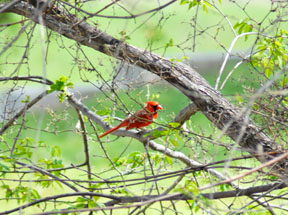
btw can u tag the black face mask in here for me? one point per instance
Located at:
(155, 108)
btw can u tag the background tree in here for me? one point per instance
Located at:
(219, 138)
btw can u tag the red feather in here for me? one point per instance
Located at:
(140, 119)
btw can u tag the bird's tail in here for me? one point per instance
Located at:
(122, 124)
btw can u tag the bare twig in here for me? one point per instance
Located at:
(22, 111)
(121, 17)
(18, 133)
(23, 28)
(85, 141)
(33, 78)
(8, 6)
(269, 163)
(228, 54)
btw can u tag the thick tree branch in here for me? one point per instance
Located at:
(186, 113)
(217, 195)
(151, 198)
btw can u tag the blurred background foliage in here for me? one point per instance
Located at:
(171, 33)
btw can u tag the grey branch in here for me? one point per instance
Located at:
(186, 113)
(35, 78)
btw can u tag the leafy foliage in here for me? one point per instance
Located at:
(272, 54)
(61, 85)
(244, 26)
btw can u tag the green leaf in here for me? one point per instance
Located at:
(81, 200)
(170, 43)
(239, 98)
(240, 30)
(35, 194)
(63, 79)
(195, 206)
(174, 142)
(61, 85)
(280, 61)
(268, 72)
(205, 8)
(157, 133)
(192, 187)
(284, 82)
(190, 5)
(92, 204)
(168, 160)
(62, 96)
(147, 135)
(182, 2)
(243, 26)
(104, 112)
(124, 35)
(225, 187)
(4, 167)
(56, 151)
(174, 124)
(26, 100)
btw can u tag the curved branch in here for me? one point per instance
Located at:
(35, 78)
(186, 113)
(132, 16)
(44, 172)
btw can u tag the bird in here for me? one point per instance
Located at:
(141, 118)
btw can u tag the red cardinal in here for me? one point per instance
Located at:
(140, 119)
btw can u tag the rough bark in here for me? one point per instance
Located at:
(210, 101)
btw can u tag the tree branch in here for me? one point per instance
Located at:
(149, 198)
(33, 78)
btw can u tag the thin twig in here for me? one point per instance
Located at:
(9, 5)
(22, 111)
(269, 163)
(33, 78)
(228, 54)
(85, 141)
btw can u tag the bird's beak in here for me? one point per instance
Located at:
(159, 107)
